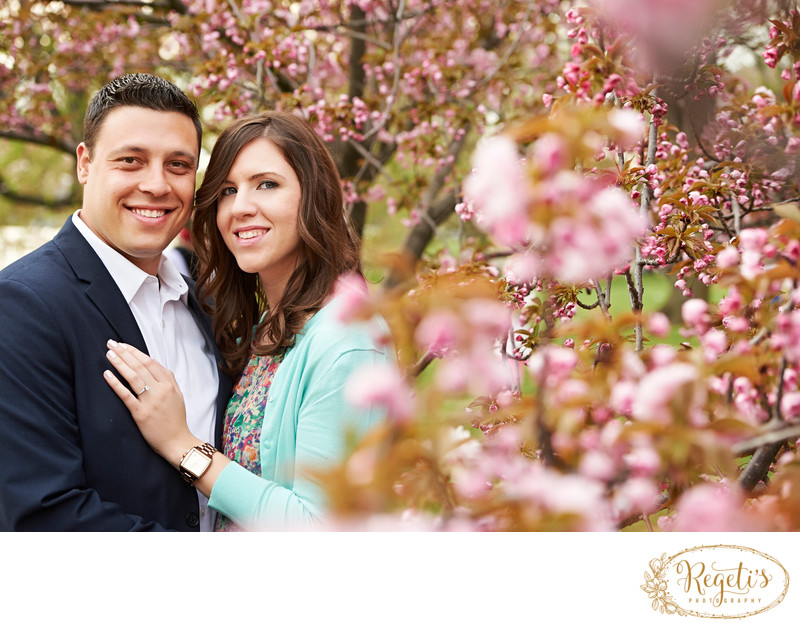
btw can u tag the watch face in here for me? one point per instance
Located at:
(195, 462)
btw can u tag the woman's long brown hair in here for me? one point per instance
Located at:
(328, 246)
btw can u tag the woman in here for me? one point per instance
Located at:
(272, 238)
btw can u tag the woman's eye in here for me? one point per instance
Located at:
(228, 190)
(267, 183)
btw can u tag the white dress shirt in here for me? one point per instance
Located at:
(160, 307)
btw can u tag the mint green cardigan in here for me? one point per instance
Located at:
(305, 425)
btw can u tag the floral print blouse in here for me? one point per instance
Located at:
(241, 432)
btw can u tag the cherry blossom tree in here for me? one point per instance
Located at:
(586, 417)
(534, 151)
(399, 89)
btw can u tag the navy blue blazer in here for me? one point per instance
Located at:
(71, 456)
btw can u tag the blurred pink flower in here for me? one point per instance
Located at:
(655, 391)
(710, 508)
(790, 406)
(787, 335)
(695, 315)
(636, 496)
(642, 460)
(728, 257)
(661, 355)
(480, 371)
(714, 343)
(562, 494)
(550, 153)
(736, 323)
(499, 190)
(351, 289)
(470, 482)
(439, 332)
(731, 303)
(488, 318)
(382, 386)
(658, 324)
(629, 125)
(753, 239)
(663, 30)
(597, 238)
(570, 227)
(360, 467)
(598, 465)
(623, 394)
(752, 264)
(554, 363)
(453, 375)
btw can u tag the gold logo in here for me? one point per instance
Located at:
(717, 581)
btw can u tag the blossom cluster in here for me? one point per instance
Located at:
(558, 223)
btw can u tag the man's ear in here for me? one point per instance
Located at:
(83, 163)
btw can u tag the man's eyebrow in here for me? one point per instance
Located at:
(129, 148)
(132, 148)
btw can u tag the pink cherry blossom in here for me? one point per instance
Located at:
(352, 295)
(550, 153)
(657, 389)
(695, 314)
(636, 496)
(623, 395)
(629, 125)
(439, 333)
(642, 460)
(714, 343)
(658, 324)
(598, 465)
(728, 257)
(553, 364)
(710, 508)
(499, 191)
(382, 386)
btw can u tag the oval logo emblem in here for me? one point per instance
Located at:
(717, 581)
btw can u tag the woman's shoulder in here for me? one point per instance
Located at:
(329, 329)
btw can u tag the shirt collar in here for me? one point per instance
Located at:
(129, 277)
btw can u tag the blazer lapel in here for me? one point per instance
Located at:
(100, 286)
(106, 296)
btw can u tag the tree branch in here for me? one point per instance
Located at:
(34, 136)
(172, 5)
(419, 367)
(635, 284)
(758, 466)
(35, 200)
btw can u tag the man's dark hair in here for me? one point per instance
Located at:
(137, 90)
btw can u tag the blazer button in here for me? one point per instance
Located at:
(192, 520)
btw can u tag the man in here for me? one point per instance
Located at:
(71, 457)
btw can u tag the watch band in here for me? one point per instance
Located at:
(188, 476)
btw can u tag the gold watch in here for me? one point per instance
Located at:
(195, 462)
